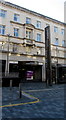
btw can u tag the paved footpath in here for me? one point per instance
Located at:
(38, 101)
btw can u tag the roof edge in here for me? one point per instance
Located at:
(30, 11)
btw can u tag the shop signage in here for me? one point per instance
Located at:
(13, 62)
(29, 75)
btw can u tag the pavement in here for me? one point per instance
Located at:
(38, 101)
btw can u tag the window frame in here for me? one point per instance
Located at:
(55, 29)
(16, 17)
(16, 32)
(3, 13)
(28, 20)
(62, 31)
(2, 29)
(38, 24)
(56, 42)
(28, 34)
(63, 42)
(38, 39)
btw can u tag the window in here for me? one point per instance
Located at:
(16, 17)
(56, 41)
(62, 31)
(14, 48)
(38, 24)
(63, 42)
(16, 32)
(2, 29)
(38, 37)
(2, 13)
(28, 20)
(47, 25)
(28, 34)
(55, 29)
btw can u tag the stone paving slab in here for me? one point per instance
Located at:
(50, 105)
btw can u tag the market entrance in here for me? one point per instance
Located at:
(30, 71)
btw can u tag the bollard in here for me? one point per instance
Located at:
(10, 84)
(20, 95)
(11, 91)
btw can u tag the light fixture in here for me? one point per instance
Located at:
(29, 56)
(9, 54)
(34, 57)
(18, 54)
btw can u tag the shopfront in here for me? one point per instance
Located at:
(30, 71)
(62, 73)
(59, 73)
(22, 71)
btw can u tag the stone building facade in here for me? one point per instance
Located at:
(22, 42)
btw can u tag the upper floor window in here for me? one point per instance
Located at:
(56, 41)
(16, 32)
(55, 29)
(28, 20)
(2, 29)
(38, 37)
(2, 13)
(62, 31)
(15, 47)
(63, 42)
(38, 24)
(16, 17)
(47, 24)
(28, 34)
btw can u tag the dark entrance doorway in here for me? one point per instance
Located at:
(62, 74)
(28, 71)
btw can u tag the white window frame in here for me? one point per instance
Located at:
(2, 29)
(62, 31)
(55, 29)
(16, 32)
(56, 42)
(28, 20)
(38, 25)
(3, 13)
(28, 34)
(38, 39)
(15, 47)
(63, 42)
(16, 17)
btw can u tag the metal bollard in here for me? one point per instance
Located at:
(11, 92)
(10, 84)
(20, 95)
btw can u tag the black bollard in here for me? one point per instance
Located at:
(20, 93)
(10, 84)
(11, 92)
